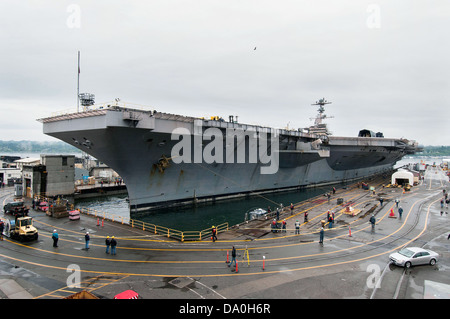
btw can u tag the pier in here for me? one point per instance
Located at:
(99, 189)
(272, 263)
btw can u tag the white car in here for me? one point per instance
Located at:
(412, 256)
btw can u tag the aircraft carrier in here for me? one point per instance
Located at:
(168, 159)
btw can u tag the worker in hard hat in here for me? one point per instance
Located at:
(107, 243)
(297, 227)
(214, 234)
(87, 238)
(113, 245)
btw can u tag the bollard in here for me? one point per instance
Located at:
(349, 232)
(103, 222)
(98, 221)
(264, 261)
(237, 266)
(228, 257)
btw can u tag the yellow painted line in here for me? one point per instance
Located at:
(253, 261)
(181, 262)
(245, 274)
(122, 238)
(109, 259)
(145, 239)
(208, 249)
(270, 272)
(197, 249)
(68, 291)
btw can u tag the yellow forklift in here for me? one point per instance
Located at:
(20, 228)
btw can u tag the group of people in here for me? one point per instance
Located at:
(109, 242)
(275, 225)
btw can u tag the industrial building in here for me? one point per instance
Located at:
(9, 172)
(53, 175)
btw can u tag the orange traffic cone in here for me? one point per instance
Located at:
(98, 221)
(391, 214)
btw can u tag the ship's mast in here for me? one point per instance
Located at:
(321, 109)
(318, 127)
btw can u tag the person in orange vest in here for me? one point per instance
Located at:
(214, 234)
(284, 225)
(330, 221)
(274, 226)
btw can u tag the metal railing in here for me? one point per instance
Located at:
(190, 235)
(103, 106)
(182, 236)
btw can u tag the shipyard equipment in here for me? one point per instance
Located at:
(21, 228)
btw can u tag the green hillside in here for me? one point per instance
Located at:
(36, 147)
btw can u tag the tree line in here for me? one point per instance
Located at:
(36, 147)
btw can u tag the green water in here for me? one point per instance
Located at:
(202, 216)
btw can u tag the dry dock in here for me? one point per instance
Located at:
(352, 262)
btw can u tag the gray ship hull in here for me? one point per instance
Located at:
(137, 145)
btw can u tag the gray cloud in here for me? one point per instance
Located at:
(197, 58)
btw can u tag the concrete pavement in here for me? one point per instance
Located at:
(296, 266)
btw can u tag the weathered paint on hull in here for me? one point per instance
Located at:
(133, 143)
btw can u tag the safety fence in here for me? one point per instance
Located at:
(182, 236)
(41, 202)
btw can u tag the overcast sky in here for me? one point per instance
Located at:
(385, 65)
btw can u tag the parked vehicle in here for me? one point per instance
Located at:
(16, 208)
(413, 256)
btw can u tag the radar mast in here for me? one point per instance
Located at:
(321, 109)
(319, 127)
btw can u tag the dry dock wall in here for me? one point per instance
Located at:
(60, 174)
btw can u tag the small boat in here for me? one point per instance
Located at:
(255, 214)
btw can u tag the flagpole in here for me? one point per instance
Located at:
(78, 83)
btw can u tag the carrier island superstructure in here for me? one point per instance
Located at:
(168, 159)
